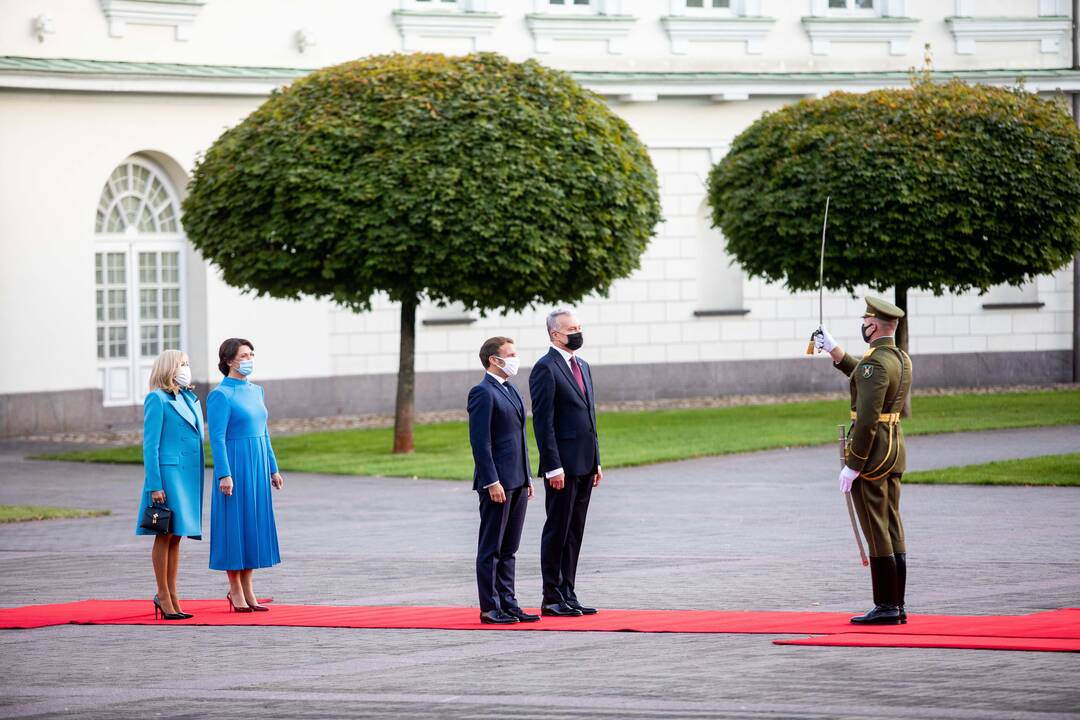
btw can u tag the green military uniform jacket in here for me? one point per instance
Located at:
(880, 382)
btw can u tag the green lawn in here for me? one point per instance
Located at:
(638, 438)
(22, 513)
(1044, 470)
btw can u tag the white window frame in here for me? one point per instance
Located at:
(131, 243)
(682, 8)
(851, 11)
(569, 7)
(445, 6)
(595, 7)
(882, 9)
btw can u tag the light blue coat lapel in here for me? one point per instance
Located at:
(182, 408)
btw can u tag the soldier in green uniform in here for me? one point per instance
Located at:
(875, 458)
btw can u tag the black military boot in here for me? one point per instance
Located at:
(883, 577)
(901, 584)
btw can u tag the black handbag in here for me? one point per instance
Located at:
(157, 518)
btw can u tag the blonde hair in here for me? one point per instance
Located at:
(163, 374)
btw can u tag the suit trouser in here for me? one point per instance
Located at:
(877, 503)
(497, 543)
(560, 543)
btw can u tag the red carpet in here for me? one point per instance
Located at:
(967, 642)
(1058, 630)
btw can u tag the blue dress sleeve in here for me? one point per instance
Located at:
(153, 417)
(269, 445)
(218, 407)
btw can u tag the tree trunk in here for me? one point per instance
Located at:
(902, 337)
(405, 408)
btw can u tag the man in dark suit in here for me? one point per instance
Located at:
(501, 454)
(564, 421)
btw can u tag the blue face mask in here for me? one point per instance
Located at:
(246, 367)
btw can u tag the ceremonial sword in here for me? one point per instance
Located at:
(848, 500)
(810, 351)
(821, 279)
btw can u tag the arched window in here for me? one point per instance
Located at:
(138, 278)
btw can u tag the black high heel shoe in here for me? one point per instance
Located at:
(234, 608)
(158, 610)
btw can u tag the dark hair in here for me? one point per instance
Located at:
(227, 352)
(491, 347)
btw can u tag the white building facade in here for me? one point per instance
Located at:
(106, 104)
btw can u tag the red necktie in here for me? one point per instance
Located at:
(577, 374)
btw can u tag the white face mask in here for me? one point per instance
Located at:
(183, 376)
(510, 365)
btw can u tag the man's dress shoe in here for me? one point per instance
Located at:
(560, 610)
(581, 608)
(497, 617)
(880, 615)
(521, 615)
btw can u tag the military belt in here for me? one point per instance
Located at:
(884, 417)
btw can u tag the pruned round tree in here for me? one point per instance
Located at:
(467, 179)
(940, 187)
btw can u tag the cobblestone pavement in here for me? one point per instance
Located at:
(757, 531)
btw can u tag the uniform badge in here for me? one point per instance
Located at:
(867, 371)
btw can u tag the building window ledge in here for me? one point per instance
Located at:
(733, 312)
(824, 31)
(416, 24)
(1013, 306)
(178, 14)
(448, 321)
(1049, 30)
(685, 29)
(547, 28)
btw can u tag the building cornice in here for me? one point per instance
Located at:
(824, 31)
(685, 29)
(105, 76)
(1049, 30)
(414, 25)
(177, 14)
(547, 28)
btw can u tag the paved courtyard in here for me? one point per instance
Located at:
(764, 531)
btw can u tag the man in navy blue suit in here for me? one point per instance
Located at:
(564, 421)
(501, 454)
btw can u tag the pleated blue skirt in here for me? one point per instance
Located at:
(243, 535)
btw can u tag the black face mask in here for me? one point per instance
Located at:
(574, 341)
(867, 331)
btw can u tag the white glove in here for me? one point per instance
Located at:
(823, 340)
(847, 476)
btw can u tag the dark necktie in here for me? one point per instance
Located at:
(509, 390)
(577, 374)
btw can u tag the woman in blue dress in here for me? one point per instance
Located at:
(173, 464)
(243, 535)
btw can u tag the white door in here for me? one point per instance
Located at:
(139, 279)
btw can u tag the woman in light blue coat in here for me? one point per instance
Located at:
(174, 463)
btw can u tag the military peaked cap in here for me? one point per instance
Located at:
(876, 307)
